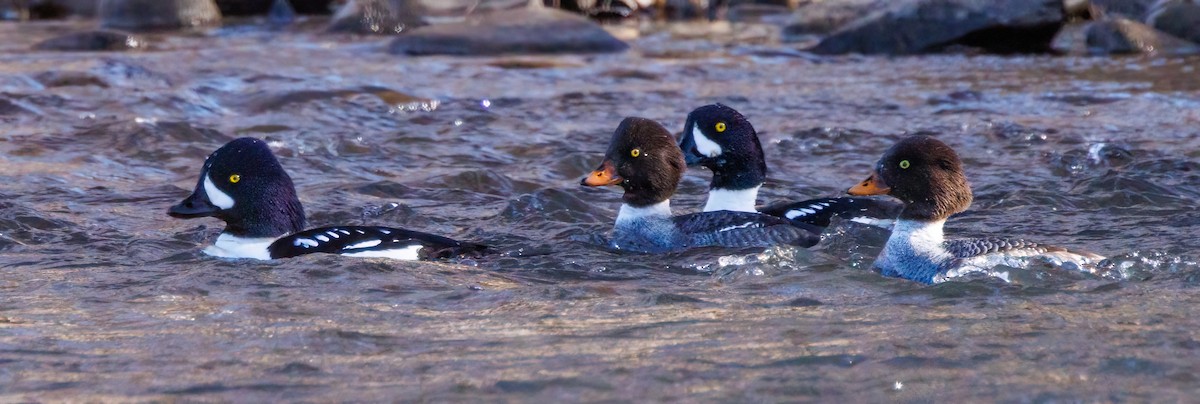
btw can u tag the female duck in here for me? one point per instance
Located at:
(926, 175)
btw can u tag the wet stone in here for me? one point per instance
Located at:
(520, 31)
(1180, 18)
(1117, 35)
(261, 7)
(146, 15)
(923, 26)
(823, 17)
(97, 40)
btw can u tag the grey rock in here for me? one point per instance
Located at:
(45, 9)
(1180, 18)
(921, 26)
(519, 31)
(756, 13)
(378, 17)
(1119, 35)
(1132, 9)
(98, 40)
(261, 7)
(823, 17)
(144, 15)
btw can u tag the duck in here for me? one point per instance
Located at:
(721, 139)
(244, 185)
(927, 176)
(646, 163)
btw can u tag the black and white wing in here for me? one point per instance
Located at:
(372, 241)
(967, 248)
(819, 212)
(744, 229)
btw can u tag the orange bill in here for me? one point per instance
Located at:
(873, 185)
(605, 175)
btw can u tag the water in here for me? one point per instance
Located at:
(106, 298)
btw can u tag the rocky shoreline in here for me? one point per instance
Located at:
(487, 27)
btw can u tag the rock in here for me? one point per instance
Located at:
(243, 7)
(1132, 9)
(823, 17)
(756, 13)
(97, 40)
(67, 78)
(921, 26)
(1177, 17)
(524, 31)
(378, 17)
(144, 15)
(1118, 35)
(262, 7)
(44, 9)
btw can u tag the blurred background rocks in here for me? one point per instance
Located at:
(889, 27)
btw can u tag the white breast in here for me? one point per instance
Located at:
(741, 200)
(230, 246)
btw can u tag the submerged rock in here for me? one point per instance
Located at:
(1118, 35)
(921, 26)
(378, 17)
(97, 40)
(142, 15)
(1180, 18)
(526, 30)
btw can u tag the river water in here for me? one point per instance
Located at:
(104, 297)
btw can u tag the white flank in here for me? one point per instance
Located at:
(884, 223)
(408, 253)
(630, 213)
(218, 198)
(740, 226)
(741, 200)
(363, 244)
(704, 145)
(230, 246)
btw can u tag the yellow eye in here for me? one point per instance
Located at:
(635, 152)
(720, 127)
(904, 164)
(235, 178)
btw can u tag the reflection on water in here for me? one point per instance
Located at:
(105, 297)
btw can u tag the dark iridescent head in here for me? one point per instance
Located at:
(925, 174)
(243, 184)
(643, 159)
(722, 140)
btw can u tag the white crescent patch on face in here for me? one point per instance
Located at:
(704, 145)
(218, 198)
